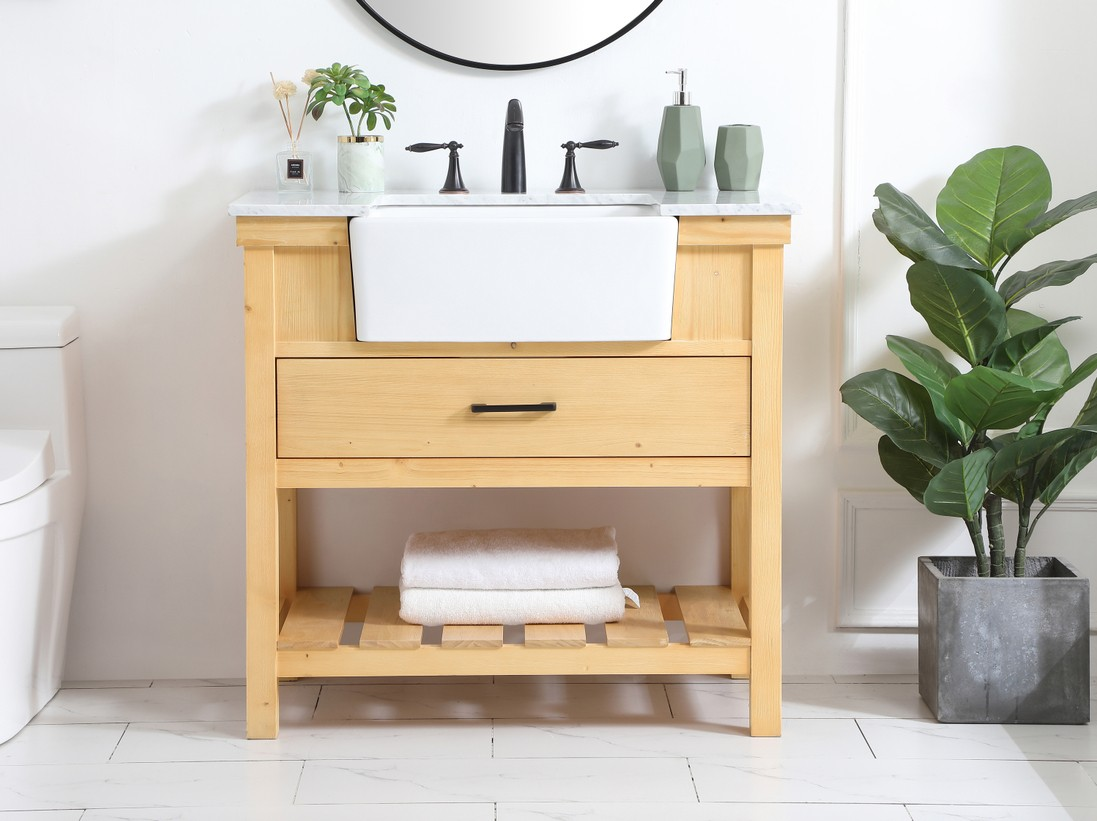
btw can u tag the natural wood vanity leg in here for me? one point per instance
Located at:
(261, 495)
(765, 494)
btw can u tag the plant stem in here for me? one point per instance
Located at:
(975, 530)
(282, 108)
(1024, 533)
(350, 122)
(993, 507)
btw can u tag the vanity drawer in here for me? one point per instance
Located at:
(665, 406)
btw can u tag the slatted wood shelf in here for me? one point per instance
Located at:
(318, 638)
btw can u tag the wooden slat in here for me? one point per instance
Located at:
(464, 636)
(555, 635)
(640, 627)
(613, 471)
(516, 660)
(668, 603)
(712, 617)
(327, 349)
(735, 230)
(316, 618)
(299, 231)
(383, 626)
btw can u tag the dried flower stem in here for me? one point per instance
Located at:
(282, 108)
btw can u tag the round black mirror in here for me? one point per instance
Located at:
(507, 35)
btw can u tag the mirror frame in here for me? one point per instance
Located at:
(365, 4)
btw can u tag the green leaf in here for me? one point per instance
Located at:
(371, 121)
(929, 366)
(912, 232)
(1059, 272)
(902, 409)
(961, 308)
(990, 200)
(960, 487)
(318, 110)
(908, 470)
(1063, 211)
(1064, 464)
(1048, 361)
(1016, 460)
(1088, 414)
(996, 400)
(1012, 350)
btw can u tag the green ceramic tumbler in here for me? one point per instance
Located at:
(738, 159)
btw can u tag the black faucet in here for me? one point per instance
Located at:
(514, 151)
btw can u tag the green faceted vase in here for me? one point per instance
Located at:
(681, 150)
(738, 159)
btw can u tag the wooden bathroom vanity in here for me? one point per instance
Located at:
(702, 409)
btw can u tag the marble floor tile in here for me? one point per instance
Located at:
(554, 700)
(701, 812)
(877, 678)
(100, 684)
(226, 741)
(730, 700)
(801, 738)
(925, 738)
(999, 813)
(356, 812)
(72, 786)
(911, 781)
(114, 704)
(472, 780)
(62, 744)
(199, 682)
(43, 815)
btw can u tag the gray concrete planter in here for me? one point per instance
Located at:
(1003, 651)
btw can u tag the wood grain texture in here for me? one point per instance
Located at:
(315, 295)
(640, 627)
(316, 619)
(472, 636)
(695, 406)
(711, 615)
(303, 232)
(383, 627)
(657, 471)
(712, 293)
(555, 635)
(760, 230)
(261, 503)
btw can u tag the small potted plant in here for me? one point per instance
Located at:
(1000, 640)
(361, 158)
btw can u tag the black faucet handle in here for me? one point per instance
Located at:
(570, 182)
(453, 184)
(422, 148)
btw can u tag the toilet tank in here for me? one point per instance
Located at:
(40, 378)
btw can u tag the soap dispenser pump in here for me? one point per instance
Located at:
(681, 150)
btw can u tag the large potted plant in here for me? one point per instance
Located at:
(1000, 639)
(361, 158)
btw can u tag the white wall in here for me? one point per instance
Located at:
(127, 128)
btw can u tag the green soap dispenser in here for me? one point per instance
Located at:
(681, 151)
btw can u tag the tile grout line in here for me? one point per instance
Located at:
(868, 743)
(692, 780)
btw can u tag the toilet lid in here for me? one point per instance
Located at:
(26, 461)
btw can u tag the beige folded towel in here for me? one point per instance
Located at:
(511, 559)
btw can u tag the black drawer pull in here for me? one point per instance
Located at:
(539, 407)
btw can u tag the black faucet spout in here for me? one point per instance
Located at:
(514, 151)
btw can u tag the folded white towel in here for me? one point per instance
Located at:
(511, 559)
(435, 606)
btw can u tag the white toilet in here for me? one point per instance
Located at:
(42, 482)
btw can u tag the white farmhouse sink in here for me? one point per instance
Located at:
(513, 273)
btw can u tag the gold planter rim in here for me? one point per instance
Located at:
(367, 138)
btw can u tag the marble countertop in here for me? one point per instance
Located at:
(669, 203)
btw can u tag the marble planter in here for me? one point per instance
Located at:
(1003, 651)
(361, 164)
(738, 161)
